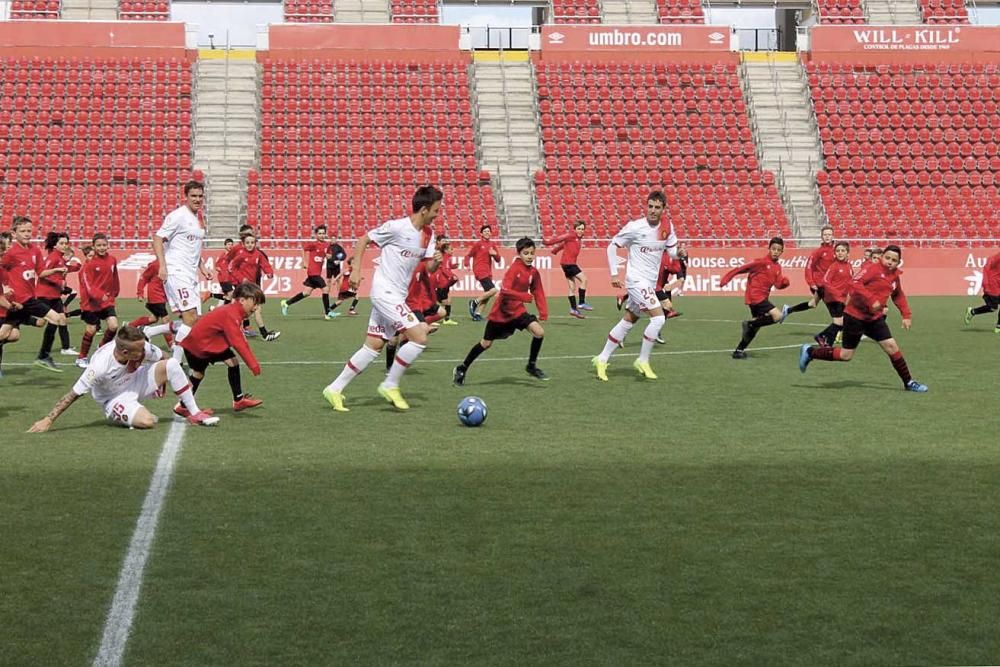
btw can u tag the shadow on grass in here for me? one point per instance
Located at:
(849, 384)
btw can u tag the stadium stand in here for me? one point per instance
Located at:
(35, 9)
(414, 11)
(944, 11)
(94, 143)
(308, 11)
(910, 149)
(345, 143)
(576, 11)
(680, 11)
(840, 12)
(611, 131)
(135, 10)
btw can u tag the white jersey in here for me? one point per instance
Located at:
(183, 235)
(645, 250)
(403, 247)
(106, 378)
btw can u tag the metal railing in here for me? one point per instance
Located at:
(487, 37)
(759, 39)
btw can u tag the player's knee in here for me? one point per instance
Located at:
(846, 355)
(657, 320)
(485, 344)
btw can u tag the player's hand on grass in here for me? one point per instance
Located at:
(41, 426)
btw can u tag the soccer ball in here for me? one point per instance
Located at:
(472, 411)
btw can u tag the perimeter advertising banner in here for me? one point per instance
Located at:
(652, 38)
(936, 271)
(894, 39)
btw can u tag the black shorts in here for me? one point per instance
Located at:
(346, 295)
(332, 270)
(819, 291)
(835, 308)
(31, 308)
(94, 317)
(315, 282)
(663, 294)
(227, 287)
(486, 284)
(501, 330)
(877, 330)
(157, 310)
(442, 293)
(991, 300)
(55, 304)
(570, 270)
(199, 364)
(761, 308)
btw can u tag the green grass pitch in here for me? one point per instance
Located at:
(730, 512)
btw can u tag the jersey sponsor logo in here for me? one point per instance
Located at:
(29, 274)
(409, 253)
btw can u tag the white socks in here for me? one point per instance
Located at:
(407, 355)
(158, 329)
(649, 336)
(617, 335)
(181, 385)
(355, 365)
(182, 332)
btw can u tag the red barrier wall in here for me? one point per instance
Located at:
(362, 39)
(91, 39)
(934, 271)
(937, 43)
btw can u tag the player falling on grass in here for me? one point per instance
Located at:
(316, 253)
(764, 273)
(865, 315)
(520, 285)
(248, 264)
(177, 246)
(405, 243)
(121, 376)
(99, 291)
(576, 280)
(646, 240)
(346, 291)
(218, 336)
(49, 290)
(483, 254)
(836, 286)
(819, 261)
(445, 280)
(150, 290)
(991, 292)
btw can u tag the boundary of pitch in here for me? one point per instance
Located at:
(118, 625)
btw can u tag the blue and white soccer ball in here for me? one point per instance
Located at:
(472, 411)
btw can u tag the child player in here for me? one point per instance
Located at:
(819, 261)
(576, 281)
(247, 265)
(51, 282)
(214, 337)
(151, 290)
(345, 291)
(991, 292)
(315, 255)
(522, 284)
(445, 280)
(482, 254)
(764, 273)
(99, 288)
(865, 315)
(836, 286)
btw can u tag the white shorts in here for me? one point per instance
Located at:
(389, 318)
(641, 297)
(121, 409)
(182, 293)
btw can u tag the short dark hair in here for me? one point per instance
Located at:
(825, 227)
(876, 250)
(227, 241)
(776, 240)
(892, 247)
(98, 236)
(87, 249)
(425, 196)
(323, 227)
(52, 238)
(523, 243)
(193, 185)
(244, 228)
(129, 334)
(578, 223)
(247, 290)
(484, 227)
(656, 195)
(20, 220)
(844, 244)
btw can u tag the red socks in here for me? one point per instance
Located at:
(88, 340)
(899, 363)
(825, 353)
(142, 321)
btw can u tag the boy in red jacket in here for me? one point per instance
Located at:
(150, 289)
(522, 284)
(482, 254)
(247, 264)
(99, 288)
(49, 289)
(819, 261)
(764, 273)
(576, 281)
(991, 292)
(865, 315)
(215, 336)
(836, 287)
(445, 279)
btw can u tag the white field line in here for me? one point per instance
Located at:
(119, 621)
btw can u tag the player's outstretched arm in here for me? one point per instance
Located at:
(45, 423)
(359, 254)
